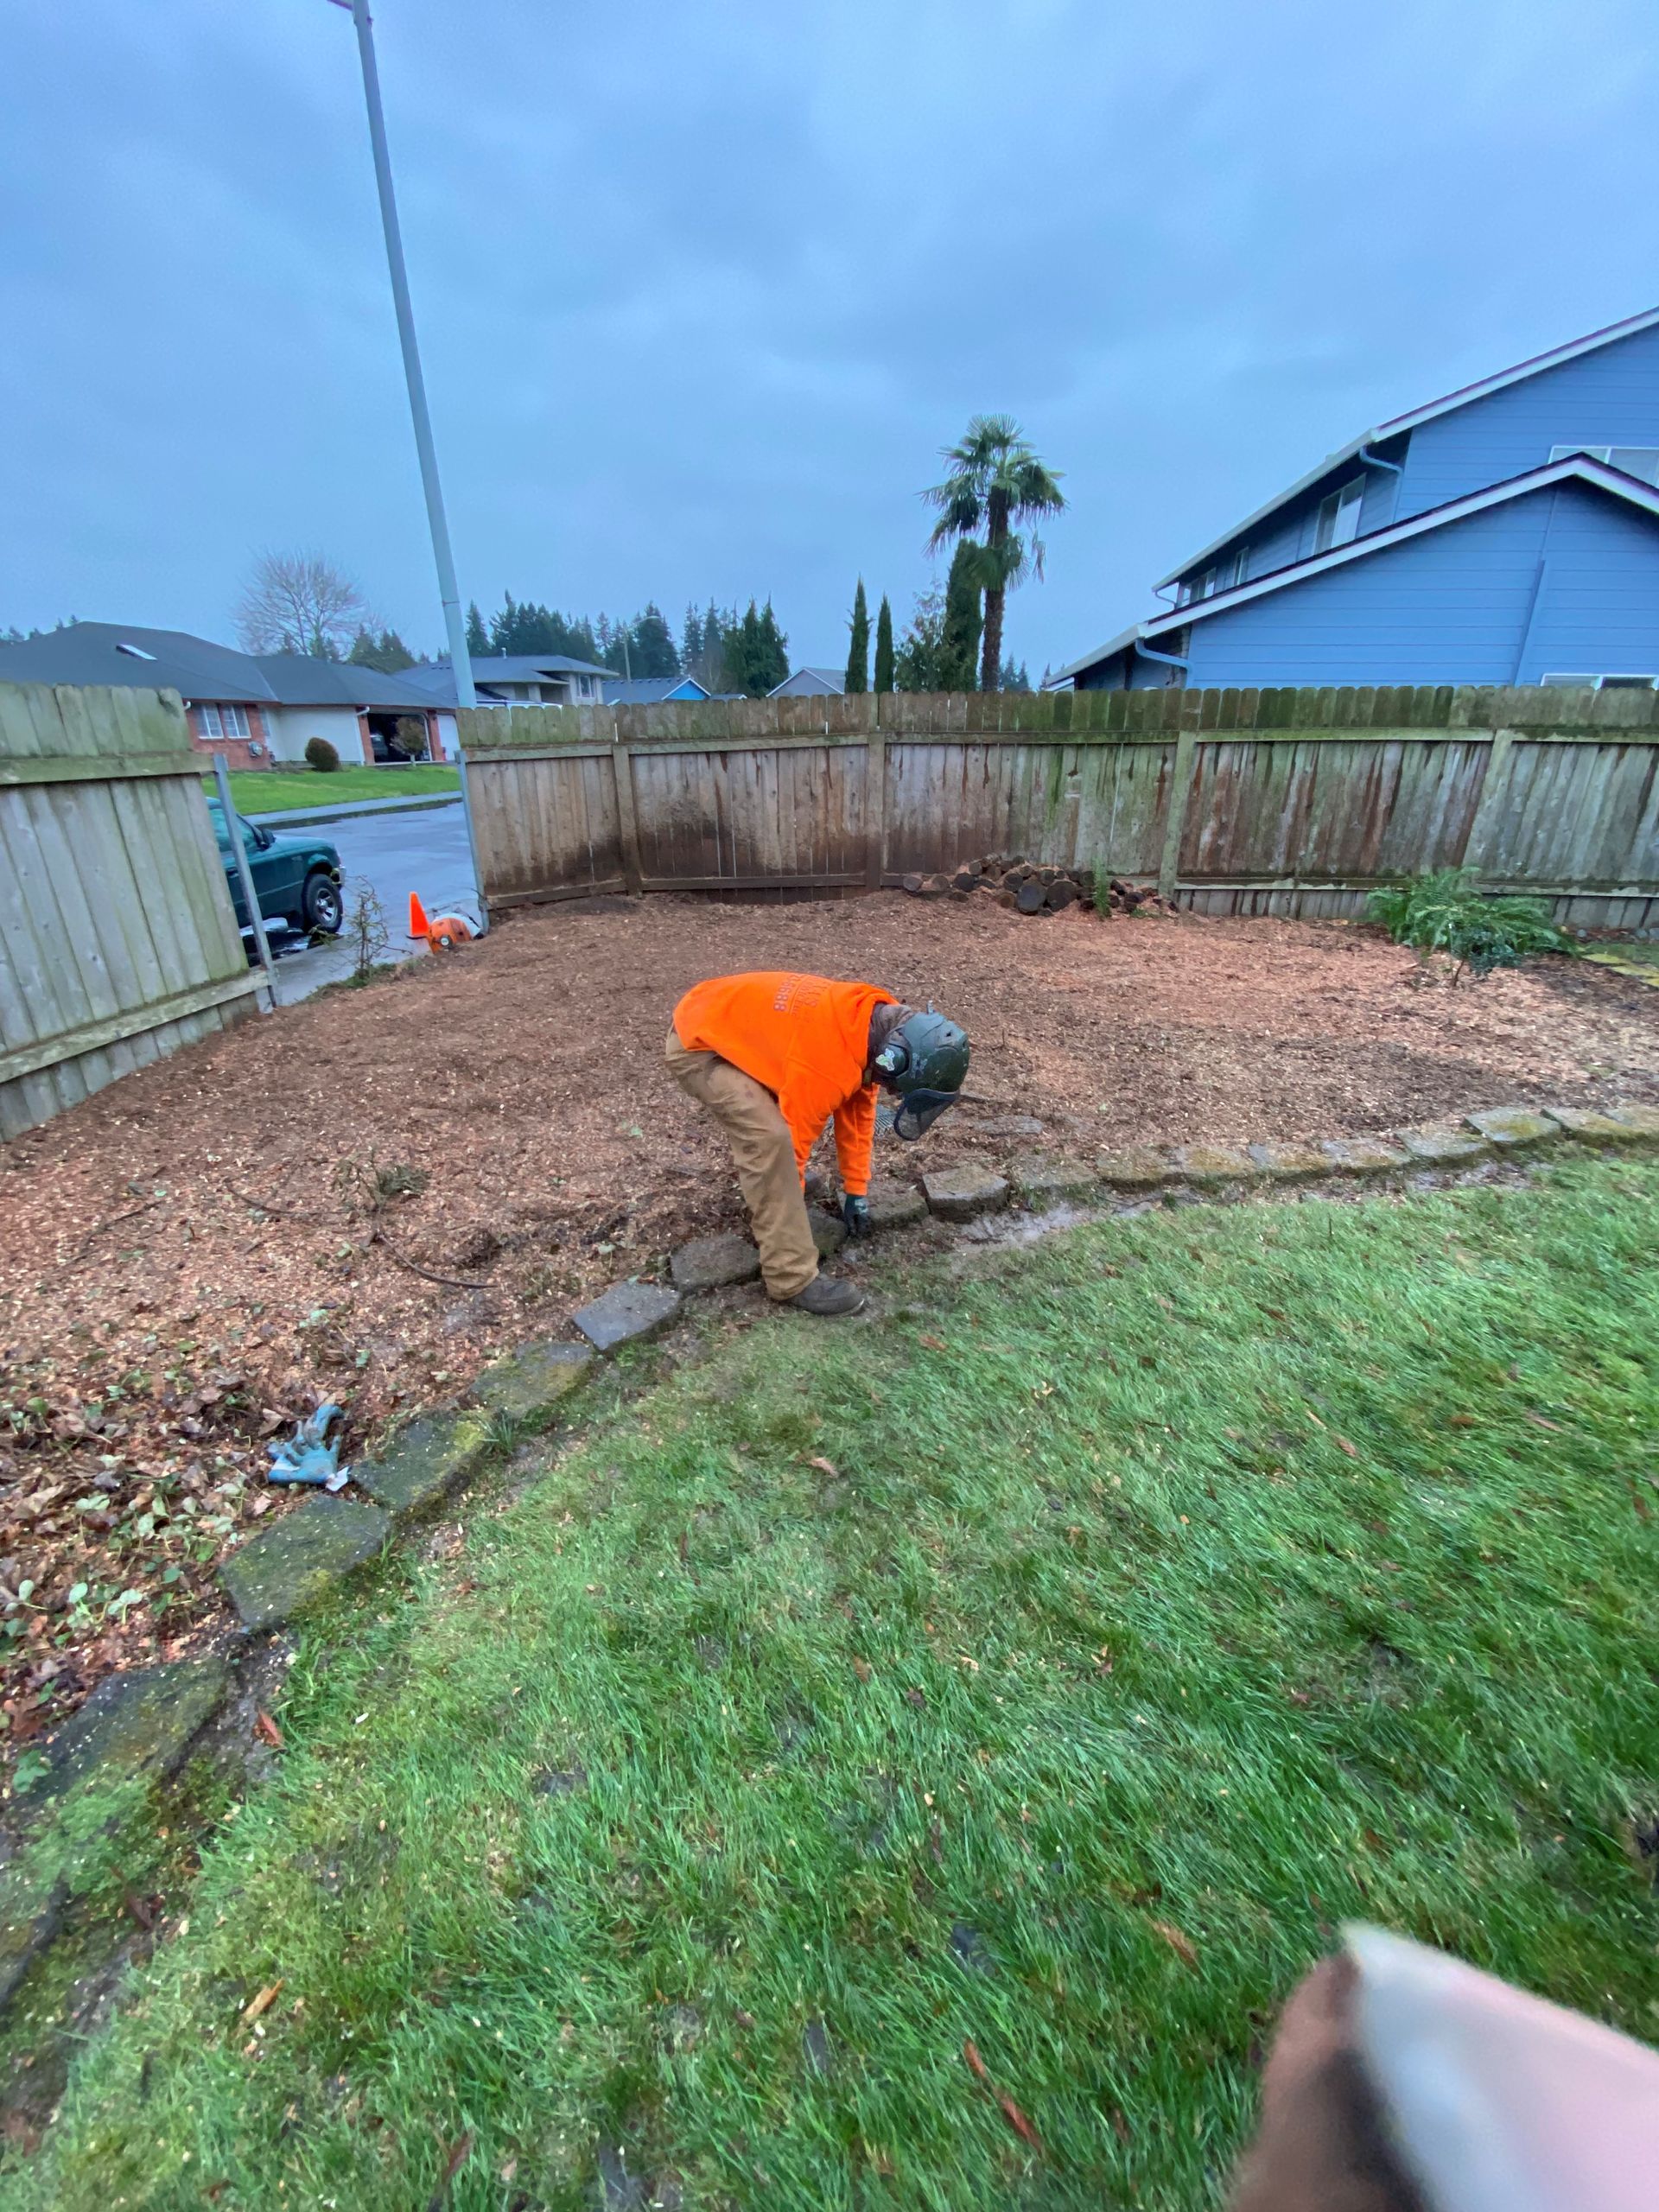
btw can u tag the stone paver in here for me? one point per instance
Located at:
(828, 1230)
(1443, 1144)
(1009, 1125)
(1363, 1155)
(962, 1194)
(1041, 1175)
(1592, 1128)
(301, 1559)
(1137, 1167)
(1288, 1163)
(1640, 1120)
(533, 1381)
(894, 1204)
(135, 1726)
(627, 1313)
(1510, 1127)
(31, 1913)
(1215, 1163)
(423, 1463)
(711, 1262)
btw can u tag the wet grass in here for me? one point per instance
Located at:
(255, 790)
(1049, 1664)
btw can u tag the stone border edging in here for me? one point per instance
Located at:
(143, 1724)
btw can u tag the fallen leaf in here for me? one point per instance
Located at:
(266, 1729)
(261, 2003)
(451, 2165)
(975, 2063)
(1343, 1444)
(932, 1344)
(1182, 1945)
(1017, 2120)
(1309, 1411)
(914, 1697)
(1461, 1421)
(861, 1668)
(744, 2020)
(826, 1467)
(1538, 1422)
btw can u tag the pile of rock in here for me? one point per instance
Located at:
(1029, 888)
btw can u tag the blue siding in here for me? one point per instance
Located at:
(1453, 606)
(1607, 397)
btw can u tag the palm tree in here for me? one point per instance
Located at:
(997, 481)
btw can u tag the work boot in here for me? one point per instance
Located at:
(824, 1295)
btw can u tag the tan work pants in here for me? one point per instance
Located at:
(765, 1153)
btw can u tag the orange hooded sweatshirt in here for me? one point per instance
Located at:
(806, 1040)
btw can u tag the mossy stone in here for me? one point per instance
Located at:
(303, 1559)
(137, 1725)
(533, 1380)
(423, 1463)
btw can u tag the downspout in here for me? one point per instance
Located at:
(1165, 660)
(1532, 619)
(1395, 468)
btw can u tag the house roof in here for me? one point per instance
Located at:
(116, 653)
(648, 690)
(1398, 425)
(301, 680)
(112, 653)
(808, 683)
(1596, 473)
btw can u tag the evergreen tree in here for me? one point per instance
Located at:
(858, 650)
(691, 641)
(477, 638)
(387, 652)
(921, 651)
(963, 620)
(774, 652)
(651, 642)
(1015, 679)
(884, 646)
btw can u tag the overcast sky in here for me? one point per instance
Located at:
(703, 286)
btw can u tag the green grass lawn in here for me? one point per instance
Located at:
(255, 791)
(1051, 1665)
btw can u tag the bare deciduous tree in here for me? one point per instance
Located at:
(299, 603)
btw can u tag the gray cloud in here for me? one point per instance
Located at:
(703, 290)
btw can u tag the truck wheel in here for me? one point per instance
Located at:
(322, 909)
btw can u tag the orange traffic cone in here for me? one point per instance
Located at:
(418, 926)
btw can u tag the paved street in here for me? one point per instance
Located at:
(422, 850)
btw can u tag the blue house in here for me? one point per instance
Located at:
(651, 690)
(1507, 533)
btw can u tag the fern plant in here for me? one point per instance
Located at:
(1446, 910)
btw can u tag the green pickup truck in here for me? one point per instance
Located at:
(295, 878)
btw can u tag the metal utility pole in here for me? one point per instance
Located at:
(455, 625)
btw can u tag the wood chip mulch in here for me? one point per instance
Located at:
(197, 1257)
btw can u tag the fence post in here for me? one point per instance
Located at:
(627, 821)
(233, 831)
(1180, 787)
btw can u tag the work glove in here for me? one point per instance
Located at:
(855, 1213)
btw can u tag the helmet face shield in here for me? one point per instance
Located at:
(918, 1111)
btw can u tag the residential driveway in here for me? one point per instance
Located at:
(424, 850)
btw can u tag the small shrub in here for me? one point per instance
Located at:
(409, 730)
(1446, 912)
(321, 755)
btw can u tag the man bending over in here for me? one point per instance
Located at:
(773, 1056)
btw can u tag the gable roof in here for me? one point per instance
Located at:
(301, 680)
(810, 683)
(1596, 473)
(1398, 425)
(650, 690)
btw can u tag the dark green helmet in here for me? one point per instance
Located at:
(924, 1063)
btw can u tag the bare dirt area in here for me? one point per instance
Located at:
(197, 1257)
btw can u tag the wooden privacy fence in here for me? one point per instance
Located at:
(117, 938)
(1294, 802)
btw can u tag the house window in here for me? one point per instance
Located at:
(1642, 461)
(1338, 517)
(221, 721)
(1183, 593)
(1607, 682)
